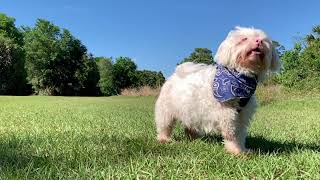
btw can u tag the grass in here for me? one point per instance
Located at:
(111, 138)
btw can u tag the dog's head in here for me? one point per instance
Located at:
(249, 51)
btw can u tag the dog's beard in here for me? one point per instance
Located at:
(251, 60)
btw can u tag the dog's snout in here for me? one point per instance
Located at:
(259, 42)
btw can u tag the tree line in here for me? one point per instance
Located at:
(48, 60)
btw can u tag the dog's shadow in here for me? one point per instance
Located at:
(262, 145)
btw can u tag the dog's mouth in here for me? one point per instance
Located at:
(256, 52)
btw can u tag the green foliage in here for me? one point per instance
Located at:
(90, 77)
(124, 73)
(200, 55)
(12, 73)
(149, 78)
(54, 60)
(302, 64)
(106, 82)
(9, 30)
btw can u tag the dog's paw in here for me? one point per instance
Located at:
(234, 148)
(163, 139)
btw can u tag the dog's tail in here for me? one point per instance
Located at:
(188, 68)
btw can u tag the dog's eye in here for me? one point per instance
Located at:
(244, 39)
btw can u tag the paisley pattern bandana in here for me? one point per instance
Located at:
(229, 84)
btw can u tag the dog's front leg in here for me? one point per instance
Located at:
(234, 142)
(234, 132)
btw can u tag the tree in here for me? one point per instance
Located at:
(90, 77)
(302, 63)
(12, 72)
(71, 65)
(106, 82)
(124, 73)
(200, 55)
(149, 78)
(54, 59)
(9, 30)
(291, 67)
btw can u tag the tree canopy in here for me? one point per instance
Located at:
(149, 78)
(106, 81)
(200, 55)
(124, 73)
(54, 59)
(302, 63)
(12, 70)
(8, 29)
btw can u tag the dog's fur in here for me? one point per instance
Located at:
(187, 95)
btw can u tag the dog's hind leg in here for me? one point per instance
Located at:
(164, 124)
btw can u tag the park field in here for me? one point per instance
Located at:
(114, 137)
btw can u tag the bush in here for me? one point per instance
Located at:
(301, 68)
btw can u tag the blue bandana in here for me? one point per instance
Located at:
(229, 84)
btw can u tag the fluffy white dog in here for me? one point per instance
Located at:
(218, 98)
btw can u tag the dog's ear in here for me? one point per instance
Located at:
(223, 54)
(275, 64)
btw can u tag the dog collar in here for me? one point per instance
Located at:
(229, 84)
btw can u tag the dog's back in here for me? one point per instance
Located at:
(188, 68)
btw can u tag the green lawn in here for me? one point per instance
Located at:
(103, 138)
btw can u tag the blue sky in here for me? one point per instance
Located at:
(157, 34)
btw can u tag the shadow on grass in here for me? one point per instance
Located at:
(262, 145)
(139, 147)
(21, 153)
(107, 150)
(267, 146)
(14, 155)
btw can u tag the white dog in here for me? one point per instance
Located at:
(218, 98)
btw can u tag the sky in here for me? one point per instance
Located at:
(157, 34)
